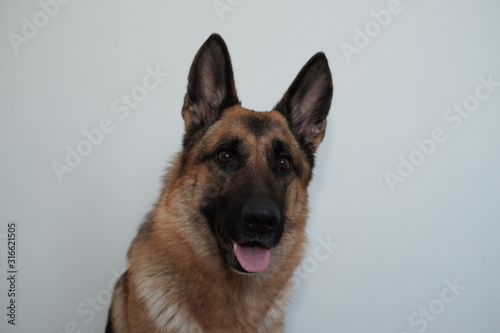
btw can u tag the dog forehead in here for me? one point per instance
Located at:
(254, 123)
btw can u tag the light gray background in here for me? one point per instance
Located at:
(394, 249)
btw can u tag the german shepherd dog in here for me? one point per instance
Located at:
(218, 251)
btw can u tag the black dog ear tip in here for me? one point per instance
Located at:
(215, 42)
(320, 59)
(215, 37)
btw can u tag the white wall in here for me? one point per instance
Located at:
(394, 253)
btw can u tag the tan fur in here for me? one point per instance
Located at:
(176, 280)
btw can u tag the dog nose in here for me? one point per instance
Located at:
(262, 218)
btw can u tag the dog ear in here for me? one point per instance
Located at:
(211, 86)
(307, 102)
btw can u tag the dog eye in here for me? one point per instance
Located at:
(224, 156)
(283, 163)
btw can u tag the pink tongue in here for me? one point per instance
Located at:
(253, 259)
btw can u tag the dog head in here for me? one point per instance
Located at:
(252, 168)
